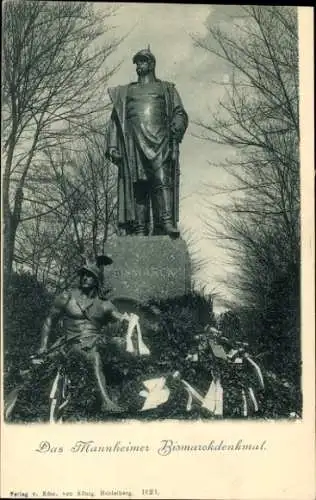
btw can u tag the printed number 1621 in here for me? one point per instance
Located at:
(150, 492)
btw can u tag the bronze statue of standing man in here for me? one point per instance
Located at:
(147, 124)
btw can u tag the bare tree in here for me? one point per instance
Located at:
(54, 75)
(99, 178)
(79, 217)
(258, 119)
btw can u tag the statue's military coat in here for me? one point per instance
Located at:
(116, 137)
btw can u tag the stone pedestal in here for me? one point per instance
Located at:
(148, 267)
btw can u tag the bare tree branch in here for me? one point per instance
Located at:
(54, 76)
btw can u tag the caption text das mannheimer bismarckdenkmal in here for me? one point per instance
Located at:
(164, 447)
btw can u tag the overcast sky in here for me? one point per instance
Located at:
(167, 28)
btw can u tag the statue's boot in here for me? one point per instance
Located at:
(141, 230)
(142, 210)
(162, 211)
(158, 229)
(142, 222)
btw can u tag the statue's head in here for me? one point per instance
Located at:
(91, 273)
(145, 62)
(89, 277)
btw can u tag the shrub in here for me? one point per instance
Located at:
(169, 328)
(26, 303)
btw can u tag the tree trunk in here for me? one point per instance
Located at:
(8, 223)
(9, 233)
(11, 222)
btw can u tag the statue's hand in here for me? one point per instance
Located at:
(114, 155)
(130, 316)
(176, 133)
(125, 317)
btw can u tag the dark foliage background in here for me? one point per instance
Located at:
(169, 328)
(26, 303)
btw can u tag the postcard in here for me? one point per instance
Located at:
(158, 327)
